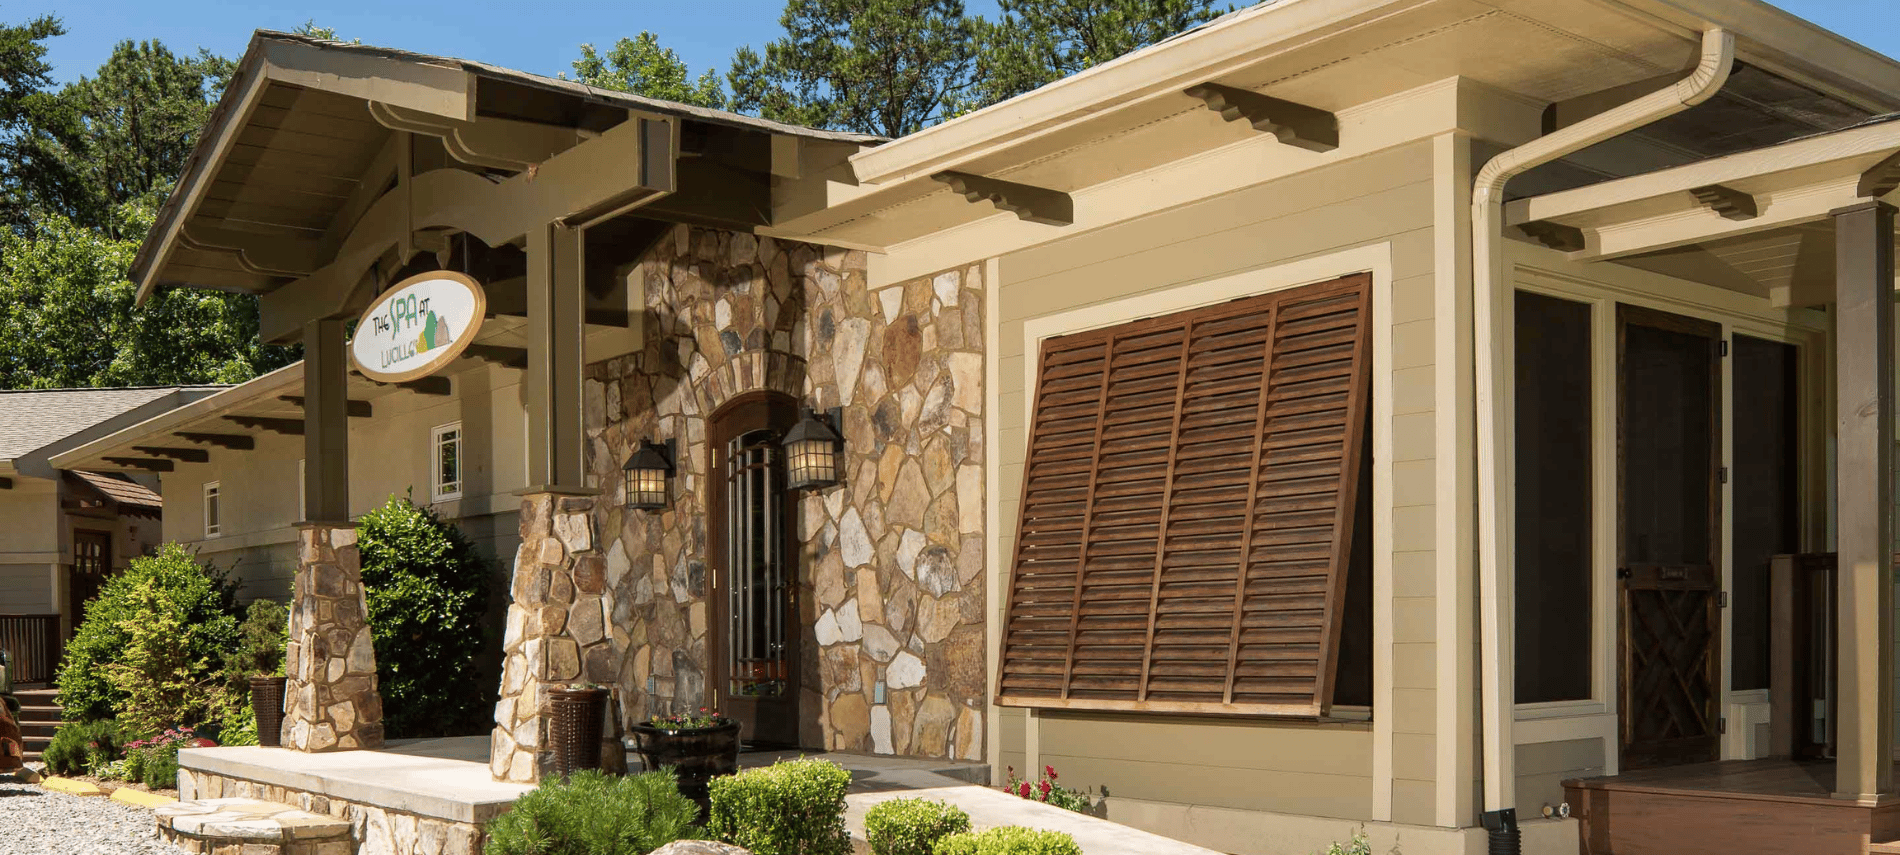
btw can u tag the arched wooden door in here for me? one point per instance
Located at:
(754, 641)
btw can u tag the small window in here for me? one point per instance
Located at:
(214, 518)
(448, 462)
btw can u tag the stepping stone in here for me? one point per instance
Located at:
(251, 827)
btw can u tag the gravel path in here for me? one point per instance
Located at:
(36, 822)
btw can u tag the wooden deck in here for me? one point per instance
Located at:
(1736, 807)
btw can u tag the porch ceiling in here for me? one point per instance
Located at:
(1756, 222)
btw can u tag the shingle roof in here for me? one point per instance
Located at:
(130, 497)
(30, 419)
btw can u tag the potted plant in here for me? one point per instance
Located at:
(699, 745)
(574, 731)
(259, 659)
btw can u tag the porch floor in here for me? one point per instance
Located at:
(1737, 807)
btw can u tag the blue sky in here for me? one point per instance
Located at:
(544, 37)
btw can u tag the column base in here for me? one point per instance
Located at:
(331, 702)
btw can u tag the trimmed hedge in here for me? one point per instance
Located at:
(595, 814)
(1008, 840)
(794, 807)
(426, 590)
(911, 826)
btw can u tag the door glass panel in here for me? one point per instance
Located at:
(1765, 493)
(755, 558)
(1554, 595)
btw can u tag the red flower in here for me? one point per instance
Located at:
(1024, 791)
(1051, 770)
(1045, 791)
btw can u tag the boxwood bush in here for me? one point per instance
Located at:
(911, 826)
(795, 807)
(595, 814)
(1009, 840)
(426, 590)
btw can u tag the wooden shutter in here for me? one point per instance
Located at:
(1189, 496)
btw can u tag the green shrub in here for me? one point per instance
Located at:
(154, 761)
(197, 599)
(82, 747)
(794, 807)
(426, 591)
(1358, 845)
(1009, 840)
(911, 826)
(260, 644)
(595, 814)
(160, 682)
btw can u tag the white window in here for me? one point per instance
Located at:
(214, 518)
(447, 442)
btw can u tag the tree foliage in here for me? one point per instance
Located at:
(1037, 42)
(426, 590)
(642, 66)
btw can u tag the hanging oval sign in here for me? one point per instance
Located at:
(418, 326)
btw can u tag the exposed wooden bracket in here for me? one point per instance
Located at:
(1557, 236)
(144, 463)
(6, 483)
(233, 441)
(1727, 201)
(285, 427)
(1296, 125)
(1884, 178)
(507, 357)
(187, 455)
(434, 384)
(257, 252)
(1035, 204)
(356, 409)
(486, 141)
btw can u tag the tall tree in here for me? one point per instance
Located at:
(25, 75)
(641, 66)
(885, 67)
(1037, 42)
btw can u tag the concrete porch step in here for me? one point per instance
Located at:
(1888, 848)
(253, 827)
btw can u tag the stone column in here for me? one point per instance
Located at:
(558, 633)
(331, 701)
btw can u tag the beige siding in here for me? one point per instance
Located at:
(1294, 767)
(1543, 767)
(26, 589)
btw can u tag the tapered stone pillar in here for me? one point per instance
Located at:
(331, 702)
(559, 633)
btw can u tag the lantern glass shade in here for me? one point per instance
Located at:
(812, 451)
(647, 473)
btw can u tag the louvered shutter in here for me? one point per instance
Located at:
(1188, 505)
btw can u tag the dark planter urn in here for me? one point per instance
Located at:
(267, 701)
(574, 728)
(698, 755)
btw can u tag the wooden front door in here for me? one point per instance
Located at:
(92, 563)
(756, 628)
(1669, 581)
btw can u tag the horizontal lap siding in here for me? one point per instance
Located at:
(26, 589)
(1323, 770)
(1543, 767)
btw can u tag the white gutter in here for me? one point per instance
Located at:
(1492, 331)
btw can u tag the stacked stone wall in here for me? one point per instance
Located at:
(376, 830)
(331, 702)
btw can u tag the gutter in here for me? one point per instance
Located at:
(1492, 330)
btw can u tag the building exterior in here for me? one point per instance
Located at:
(1321, 420)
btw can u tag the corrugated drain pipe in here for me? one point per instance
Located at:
(1492, 328)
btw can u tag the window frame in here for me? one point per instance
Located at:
(438, 490)
(212, 507)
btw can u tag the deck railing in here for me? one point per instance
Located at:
(33, 642)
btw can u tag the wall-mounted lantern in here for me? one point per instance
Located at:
(813, 448)
(647, 473)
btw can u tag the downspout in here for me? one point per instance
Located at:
(1491, 330)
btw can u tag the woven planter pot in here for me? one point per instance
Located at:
(697, 755)
(267, 701)
(575, 727)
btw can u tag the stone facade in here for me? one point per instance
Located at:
(375, 830)
(890, 562)
(331, 703)
(558, 633)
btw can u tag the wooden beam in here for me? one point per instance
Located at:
(356, 409)
(144, 463)
(484, 141)
(552, 387)
(1727, 201)
(233, 441)
(1296, 125)
(1034, 204)
(1557, 236)
(187, 455)
(258, 252)
(506, 357)
(1864, 430)
(6, 483)
(1882, 179)
(284, 427)
(435, 384)
(326, 447)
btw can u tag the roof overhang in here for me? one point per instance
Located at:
(37, 463)
(1756, 222)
